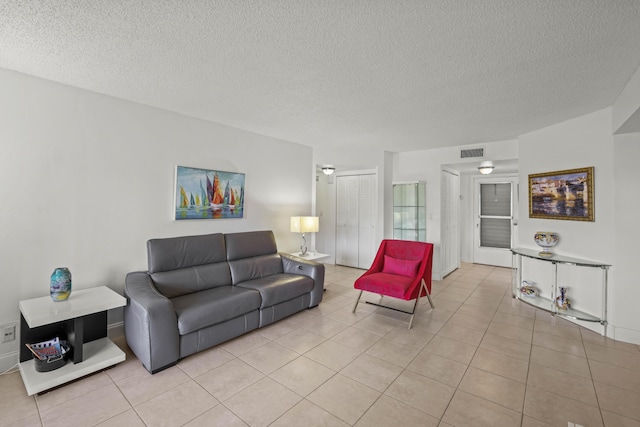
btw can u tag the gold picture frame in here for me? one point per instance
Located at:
(565, 195)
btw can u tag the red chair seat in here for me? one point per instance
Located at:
(387, 284)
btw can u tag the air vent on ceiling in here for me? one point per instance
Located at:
(472, 152)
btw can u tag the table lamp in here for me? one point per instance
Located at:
(304, 224)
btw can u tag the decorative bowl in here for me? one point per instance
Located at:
(546, 240)
(528, 290)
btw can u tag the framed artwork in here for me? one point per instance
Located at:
(564, 194)
(208, 194)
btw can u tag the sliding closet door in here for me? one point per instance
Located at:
(366, 221)
(355, 220)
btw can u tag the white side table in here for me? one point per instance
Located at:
(312, 256)
(82, 321)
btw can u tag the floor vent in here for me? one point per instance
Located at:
(472, 152)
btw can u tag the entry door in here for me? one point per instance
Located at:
(494, 220)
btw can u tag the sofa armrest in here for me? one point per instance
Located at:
(150, 323)
(295, 265)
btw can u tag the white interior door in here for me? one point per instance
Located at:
(450, 241)
(495, 210)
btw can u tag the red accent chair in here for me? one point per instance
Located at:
(401, 269)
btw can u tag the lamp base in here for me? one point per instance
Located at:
(303, 248)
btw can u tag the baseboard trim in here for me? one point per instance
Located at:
(618, 333)
(9, 360)
(115, 330)
(614, 332)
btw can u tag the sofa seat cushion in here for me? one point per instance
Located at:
(278, 288)
(393, 285)
(209, 307)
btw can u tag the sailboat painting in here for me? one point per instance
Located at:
(208, 194)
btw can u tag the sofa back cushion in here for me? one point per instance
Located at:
(252, 255)
(249, 244)
(182, 265)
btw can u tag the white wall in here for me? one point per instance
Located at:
(626, 108)
(426, 165)
(324, 241)
(583, 142)
(86, 179)
(624, 296)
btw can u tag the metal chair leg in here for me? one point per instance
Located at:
(357, 301)
(430, 301)
(427, 292)
(415, 306)
(423, 285)
(413, 313)
(411, 321)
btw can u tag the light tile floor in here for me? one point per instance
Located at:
(478, 359)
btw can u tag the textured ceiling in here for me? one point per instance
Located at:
(392, 74)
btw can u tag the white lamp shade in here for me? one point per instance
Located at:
(305, 224)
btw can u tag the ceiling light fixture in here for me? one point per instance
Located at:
(328, 169)
(486, 168)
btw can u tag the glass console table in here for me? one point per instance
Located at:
(548, 303)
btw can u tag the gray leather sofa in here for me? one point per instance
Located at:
(204, 290)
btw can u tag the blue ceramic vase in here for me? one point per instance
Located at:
(60, 287)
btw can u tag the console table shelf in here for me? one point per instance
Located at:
(548, 304)
(82, 321)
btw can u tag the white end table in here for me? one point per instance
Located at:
(82, 321)
(312, 256)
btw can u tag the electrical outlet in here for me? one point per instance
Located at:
(8, 332)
